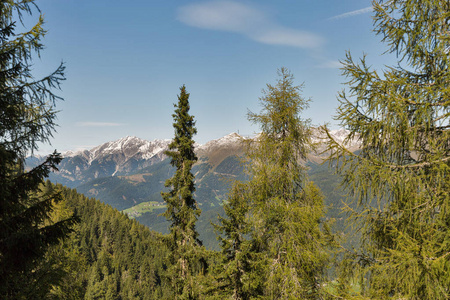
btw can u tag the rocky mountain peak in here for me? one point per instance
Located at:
(231, 139)
(129, 146)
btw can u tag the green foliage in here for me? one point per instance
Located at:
(235, 261)
(182, 210)
(278, 209)
(186, 254)
(26, 117)
(401, 176)
(287, 209)
(108, 256)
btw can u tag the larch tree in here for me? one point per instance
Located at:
(182, 211)
(286, 246)
(27, 117)
(401, 176)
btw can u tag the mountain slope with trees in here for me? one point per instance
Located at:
(107, 256)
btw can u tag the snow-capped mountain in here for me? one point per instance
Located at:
(114, 158)
(130, 154)
(217, 150)
(226, 141)
(127, 147)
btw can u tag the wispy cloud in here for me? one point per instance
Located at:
(98, 124)
(330, 64)
(246, 20)
(352, 13)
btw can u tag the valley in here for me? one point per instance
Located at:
(129, 174)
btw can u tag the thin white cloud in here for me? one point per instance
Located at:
(330, 64)
(98, 124)
(289, 37)
(220, 15)
(352, 13)
(246, 20)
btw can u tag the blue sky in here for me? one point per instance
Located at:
(127, 59)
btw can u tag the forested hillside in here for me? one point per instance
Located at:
(107, 256)
(321, 174)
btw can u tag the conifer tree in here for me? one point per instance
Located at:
(236, 256)
(182, 210)
(286, 207)
(401, 176)
(285, 254)
(26, 117)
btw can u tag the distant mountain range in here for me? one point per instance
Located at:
(129, 155)
(129, 174)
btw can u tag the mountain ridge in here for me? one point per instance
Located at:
(148, 149)
(131, 154)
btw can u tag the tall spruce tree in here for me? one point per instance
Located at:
(182, 211)
(400, 177)
(285, 254)
(26, 117)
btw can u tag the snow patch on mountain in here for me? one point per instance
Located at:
(231, 139)
(70, 153)
(129, 146)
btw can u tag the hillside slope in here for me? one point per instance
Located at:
(108, 256)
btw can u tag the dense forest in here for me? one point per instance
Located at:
(107, 256)
(275, 242)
